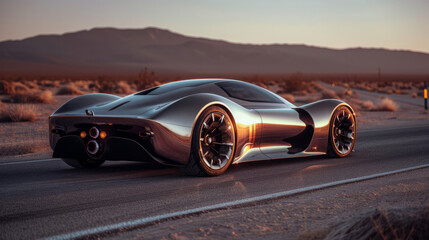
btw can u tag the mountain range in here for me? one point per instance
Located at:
(126, 51)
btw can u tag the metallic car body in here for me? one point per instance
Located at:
(159, 127)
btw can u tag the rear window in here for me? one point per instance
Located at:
(248, 92)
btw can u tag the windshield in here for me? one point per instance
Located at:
(248, 92)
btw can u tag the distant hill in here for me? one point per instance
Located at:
(109, 50)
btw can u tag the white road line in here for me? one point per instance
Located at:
(142, 221)
(392, 128)
(29, 161)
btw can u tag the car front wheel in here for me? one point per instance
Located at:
(342, 132)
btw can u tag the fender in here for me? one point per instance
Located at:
(321, 112)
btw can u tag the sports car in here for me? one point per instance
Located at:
(201, 125)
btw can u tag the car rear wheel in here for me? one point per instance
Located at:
(83, 163)
(342, 132)
(213, 143)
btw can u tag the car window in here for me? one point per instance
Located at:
(247, 92)
(169, 87)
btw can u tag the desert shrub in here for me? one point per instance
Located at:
(31, 84)
(32, 97)
(81, 84)
(318, 87)
(289, 97)
(20, 88)
(368, 105)
(388, 105)
(328, 93)
(391, 223)
(301, 93)
(122, 87)
(69, 89)
(50, 84)
(294, 83)
(8, 87)
(145, 79)
(105, 85)
(18, 113)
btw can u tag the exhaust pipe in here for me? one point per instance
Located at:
(92, 147)
(94, 132)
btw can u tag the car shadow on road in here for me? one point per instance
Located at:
(277, 163)
(149, 169)
(140, 169)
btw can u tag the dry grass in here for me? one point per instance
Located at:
(289, 97)
(388, 105)
(44, 97)
(329, 94)
(69, 89)
(18, 113)
(122, 87)
(9, 87)
(368, 105)
(395, 223)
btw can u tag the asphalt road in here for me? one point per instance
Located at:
(46, 198)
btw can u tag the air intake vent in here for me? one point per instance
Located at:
(115, 107)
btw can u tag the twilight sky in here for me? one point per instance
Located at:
(394, 24)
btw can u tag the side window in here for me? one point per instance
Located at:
(248, 92)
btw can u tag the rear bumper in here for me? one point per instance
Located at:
(127, 139)
(115, 149)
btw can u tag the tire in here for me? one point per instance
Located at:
(83, 163)
(342, 132)
(213, 143)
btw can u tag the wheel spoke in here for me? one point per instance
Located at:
(225, 144)
(214, 150)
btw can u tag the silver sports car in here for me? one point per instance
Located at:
(201, 125)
